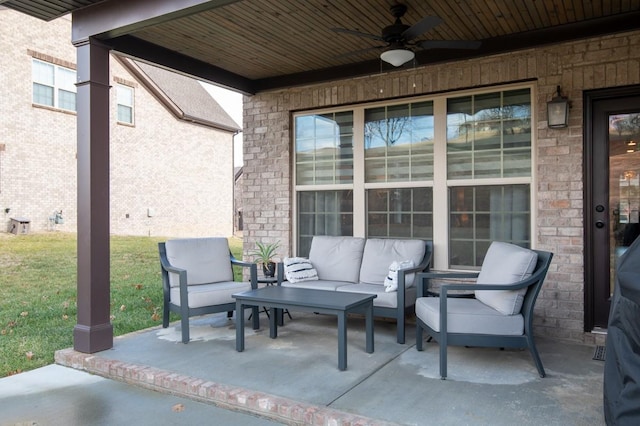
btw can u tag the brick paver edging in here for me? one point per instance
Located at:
(276, 408)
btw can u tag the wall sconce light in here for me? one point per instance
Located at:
(558, 111)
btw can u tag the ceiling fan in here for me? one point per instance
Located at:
(399, 38)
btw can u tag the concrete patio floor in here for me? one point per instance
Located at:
(294, 379)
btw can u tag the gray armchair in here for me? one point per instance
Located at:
(197, 279)
(500, 311)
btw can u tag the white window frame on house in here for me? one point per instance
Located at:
(125, 104)
(58, 81)
(507, 188)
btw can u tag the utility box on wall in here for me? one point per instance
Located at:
(19, 226)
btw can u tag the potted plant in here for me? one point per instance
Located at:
(264, 255)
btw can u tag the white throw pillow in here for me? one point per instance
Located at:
(391, 282)
(298, 269)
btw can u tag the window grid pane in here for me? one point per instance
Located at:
(42, 95)
(481, 214)
(43, 73)
(66, 79)
(323, 213)
(398, 143)
(324, 149)
(66, 100)
(485, 133)
(400, 213)
(125, 114)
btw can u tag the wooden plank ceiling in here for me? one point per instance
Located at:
(47, 10)
(279, 43)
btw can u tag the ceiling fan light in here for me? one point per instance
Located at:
(397, 57)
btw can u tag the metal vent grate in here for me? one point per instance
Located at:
(600, 353)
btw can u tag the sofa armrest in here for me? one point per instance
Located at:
(402, 276)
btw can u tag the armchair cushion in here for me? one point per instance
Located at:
(337, 258)
(206, 259)
(505, 263)
(378, 252)
(210, 294)
(468, 316)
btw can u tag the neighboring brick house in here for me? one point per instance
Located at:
(171, 153)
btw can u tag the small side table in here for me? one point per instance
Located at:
(269, 281)
(434, 291)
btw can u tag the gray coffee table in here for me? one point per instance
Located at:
(302, 299)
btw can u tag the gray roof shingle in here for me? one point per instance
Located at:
(188, 98)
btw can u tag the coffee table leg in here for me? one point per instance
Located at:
(369, 327)
(273, 324)
(239, 327)
(342, 341)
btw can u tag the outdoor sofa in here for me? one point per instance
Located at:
(359, 265)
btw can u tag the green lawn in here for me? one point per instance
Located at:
(38, 293)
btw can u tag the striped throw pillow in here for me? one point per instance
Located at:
(298, 269)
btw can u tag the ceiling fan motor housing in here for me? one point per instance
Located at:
(393, 33)
(398, 10)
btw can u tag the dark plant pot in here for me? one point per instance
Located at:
(269, 269)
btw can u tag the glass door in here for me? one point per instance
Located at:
(612, 194)
(624, 194)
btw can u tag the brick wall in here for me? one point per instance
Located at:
(576, 66)
(182, 172)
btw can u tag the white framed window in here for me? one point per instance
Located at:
(455, 168)
(125, 99)
(53, 85)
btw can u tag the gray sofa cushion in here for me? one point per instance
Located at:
(380, 253)
(205, 259)
(316, 284)
(337, 258)
(505, 263)
(468, 316)
(384, 299)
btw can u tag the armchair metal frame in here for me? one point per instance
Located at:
(444, 338)
(183, 309)
(399, 312)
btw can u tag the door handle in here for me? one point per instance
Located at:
(599, 224)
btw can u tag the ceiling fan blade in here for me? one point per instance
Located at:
(357, 33)
(421, 27)
(449, 44)
(360, 51)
